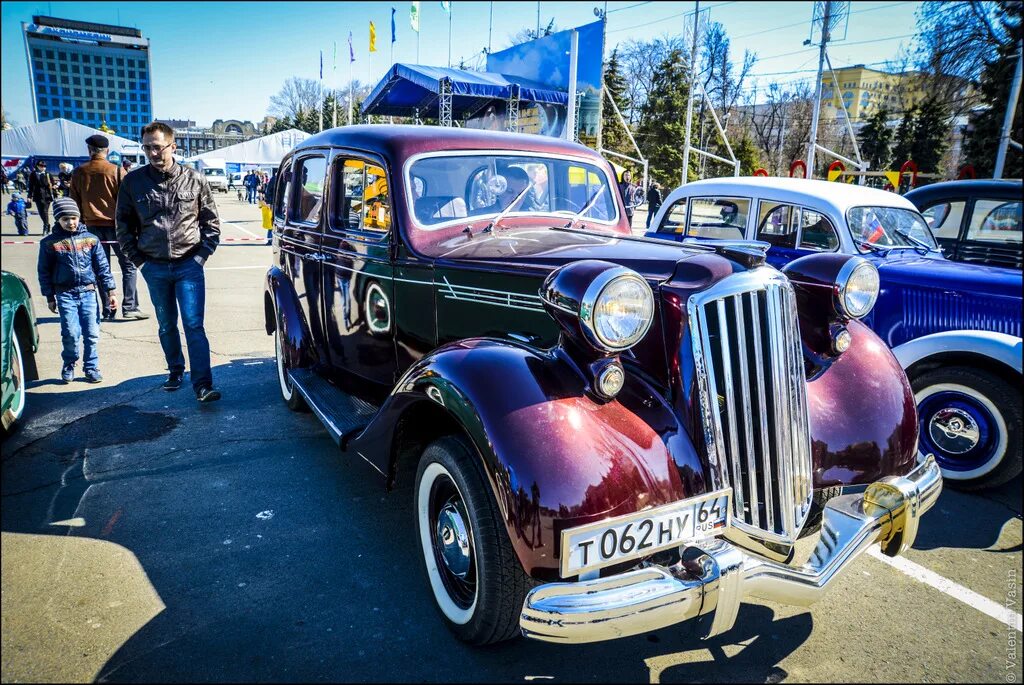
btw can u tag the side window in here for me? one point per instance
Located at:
(944, 218)
(778, 224)
(584, 184)
(281, 185)
(674, 220)
(361, 201)
(307, 190)
(718, 217)
(817, 232)
(996, 220)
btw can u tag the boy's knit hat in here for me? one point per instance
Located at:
(65, 206)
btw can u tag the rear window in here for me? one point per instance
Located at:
(724, 218)
(308, 188)
(996, 220)
(944, 218)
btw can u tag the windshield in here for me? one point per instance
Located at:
(448, 188)
(213, 172)
(888, 227)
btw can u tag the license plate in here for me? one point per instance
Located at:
(596, 545)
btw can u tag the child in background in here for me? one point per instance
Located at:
(268, 220)
(17, 207)
(71, 265)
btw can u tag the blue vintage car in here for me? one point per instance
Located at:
(955, 327)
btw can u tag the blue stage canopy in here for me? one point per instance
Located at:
(407, 88)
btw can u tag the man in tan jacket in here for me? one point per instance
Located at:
(94, 186)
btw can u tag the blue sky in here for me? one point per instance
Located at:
(223, 60)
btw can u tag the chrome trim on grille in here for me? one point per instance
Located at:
(745, 334)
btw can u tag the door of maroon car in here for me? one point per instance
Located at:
(300, 203)
(358, 277)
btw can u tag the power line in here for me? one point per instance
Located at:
(628, 7)
(858, 42)
(671, 16)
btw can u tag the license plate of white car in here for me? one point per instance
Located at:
(612, 541)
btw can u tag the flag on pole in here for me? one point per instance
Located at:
(414, 15)
(351, 51)
(393, 39)
(446, 6)
(373, 37)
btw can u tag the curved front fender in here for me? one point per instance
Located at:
(282, 309)
(998, 346)
(554, 456)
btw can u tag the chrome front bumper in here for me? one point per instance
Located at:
(715, 577)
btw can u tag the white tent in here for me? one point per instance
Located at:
(266, 151)
(57, 138)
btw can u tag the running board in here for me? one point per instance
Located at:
(342, 414)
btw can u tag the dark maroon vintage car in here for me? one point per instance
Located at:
(603, 434)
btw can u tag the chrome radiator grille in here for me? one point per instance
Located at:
(753, 400)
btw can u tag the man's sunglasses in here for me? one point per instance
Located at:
(156, 148)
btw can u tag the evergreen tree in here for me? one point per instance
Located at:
(613, 137)
(876, 140)
(663, 130)
(903, 147)
(931, 134)
(747, 155)
(981, 143)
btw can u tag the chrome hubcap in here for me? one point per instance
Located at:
(453, 540)
(954, 430)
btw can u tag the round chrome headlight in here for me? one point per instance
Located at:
(857, 288)
(617, 309)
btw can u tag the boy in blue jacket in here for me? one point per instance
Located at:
(17, 207)
(71, 266)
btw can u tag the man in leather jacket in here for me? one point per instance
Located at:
(167, 224)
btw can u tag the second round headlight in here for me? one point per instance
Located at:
(618, 309)
(858, 286)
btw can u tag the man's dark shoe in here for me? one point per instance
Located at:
(207, 394)
(173, 381)
(67, 374)
(93, 377)
(135, 314)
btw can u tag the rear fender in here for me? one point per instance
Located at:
(282, 310)
(1000, 347)
(554, 456)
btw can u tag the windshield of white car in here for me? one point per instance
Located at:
(213, 172)
(446, 189)
(889, 228)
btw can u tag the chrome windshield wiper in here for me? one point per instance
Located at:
(497, 220)
(906, 236)
(586, 208)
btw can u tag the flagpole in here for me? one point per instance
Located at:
(320, 105)
(350, 92)
(449, 36)
(334, 89)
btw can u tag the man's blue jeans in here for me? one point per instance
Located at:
(79, 320)
(175, 287)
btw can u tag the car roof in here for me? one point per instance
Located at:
(1008, 189)
(837, 197)
(397, 142)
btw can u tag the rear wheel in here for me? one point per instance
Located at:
(970, 420)
(477, 581)
(17, 407)
(289, 394)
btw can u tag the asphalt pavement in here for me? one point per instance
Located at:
(148, 538)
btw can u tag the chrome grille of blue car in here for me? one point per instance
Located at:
(750, 375)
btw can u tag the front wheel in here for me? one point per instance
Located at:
(477, 581)
(290, 396)
(970, 420)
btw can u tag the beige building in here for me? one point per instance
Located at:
(864, 91)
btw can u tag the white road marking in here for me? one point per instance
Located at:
(1003, 614)
(245, 230)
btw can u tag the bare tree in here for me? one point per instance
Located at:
(639, 61)
(297, 95)
(526, 35)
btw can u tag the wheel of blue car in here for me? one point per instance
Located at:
(473, 572)
(290, 396)
(970, 420)
(17, 407)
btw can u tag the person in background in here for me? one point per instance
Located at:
(16, 208)
(628, 192)
(64, 179)
(4, 179)
(40, 191)
(94, 187)
(168, 226)
(654, 201)
(71, 265)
